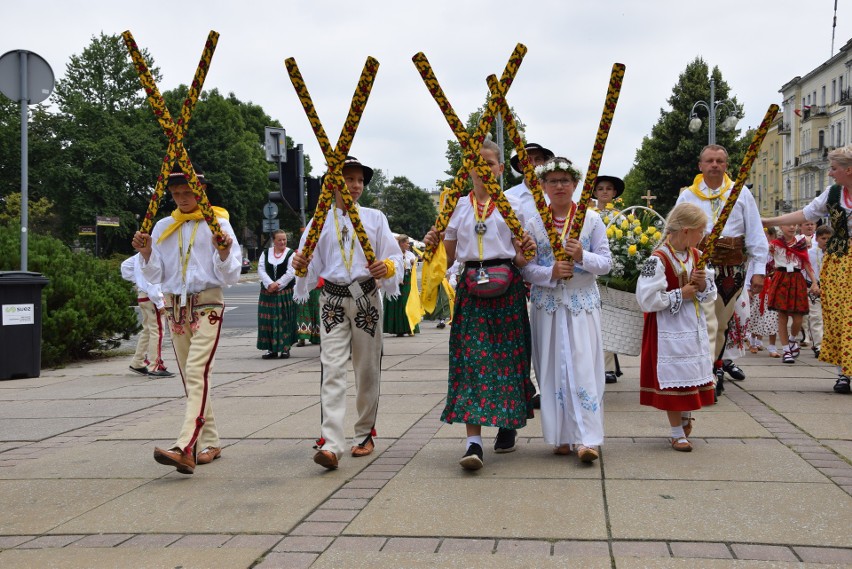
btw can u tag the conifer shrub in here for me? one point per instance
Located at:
(85, 307)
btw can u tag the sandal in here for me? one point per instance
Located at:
(687, 428)
(774, 355)
(842, 385)
(754, 349)
(793, 347)
(562, 449)
(682, 444)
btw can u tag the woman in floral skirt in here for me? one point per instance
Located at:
(489, 373)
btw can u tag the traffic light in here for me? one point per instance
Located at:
(314, 186)
(290, 180)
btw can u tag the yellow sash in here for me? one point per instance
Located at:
(413, 308)
(695, 188)
(180, 217)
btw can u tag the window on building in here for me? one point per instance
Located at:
(821, 139)
(833, 91)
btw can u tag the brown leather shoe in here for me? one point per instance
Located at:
(184, 463)
(208, 455)
(587, 454)
(326, 459)
(364, 449)
(682, 444)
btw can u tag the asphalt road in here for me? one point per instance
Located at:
(241, 305)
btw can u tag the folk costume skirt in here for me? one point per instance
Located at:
(307, 317)
(789, 293)
(395, 319)
(489, 376)
(672, 398)
(276, 320)
(835, 279)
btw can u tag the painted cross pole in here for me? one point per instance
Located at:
(175, 133)
(748, 160)
(471, 145)
(648, 197)
(335, 156)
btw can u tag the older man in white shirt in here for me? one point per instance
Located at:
(741, 249)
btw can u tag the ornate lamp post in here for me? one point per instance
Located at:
(714, 106)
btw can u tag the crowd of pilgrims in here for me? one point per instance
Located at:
(514, 305)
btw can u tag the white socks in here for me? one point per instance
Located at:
(685, 416)
(677, 432)
(475, 439)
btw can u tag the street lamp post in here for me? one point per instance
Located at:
(728, 124)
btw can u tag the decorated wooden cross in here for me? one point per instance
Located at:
(175, 132)
(335, 156)
(471, 144)
(648, 197)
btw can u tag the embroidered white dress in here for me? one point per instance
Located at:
(566, 337)
(683, 350)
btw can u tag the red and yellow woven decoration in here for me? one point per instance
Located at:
(471, 144)
(335, 156)
(748, 160)
(612, 93)
(175, 133)
(528, 170)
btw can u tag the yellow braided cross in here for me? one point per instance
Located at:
(528, 170)
(175, 133)
(471, 144)
(335, 156)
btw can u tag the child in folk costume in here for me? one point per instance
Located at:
(396, 317)
(489, 373)
(181, 255)
(351, 313)
(148, 359)
(276, 310)
(675, 372)
(816, 254)
(607, 190)
(763, 321)
(789, 293)
(566, 319)
(836, 272)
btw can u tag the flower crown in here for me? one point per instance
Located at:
(557, 164)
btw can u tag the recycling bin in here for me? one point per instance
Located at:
(20, 328)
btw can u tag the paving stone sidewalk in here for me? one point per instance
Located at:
(769, 483)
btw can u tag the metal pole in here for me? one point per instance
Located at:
(300, 169)
(500, 141)
(712, 130)
(24, 153)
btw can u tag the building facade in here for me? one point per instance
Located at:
(815, 119)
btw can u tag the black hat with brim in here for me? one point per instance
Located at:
(516, 166)
(178, 178)
(617, 183)
(368, 172)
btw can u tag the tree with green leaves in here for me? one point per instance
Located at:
(108, 147)
(408, 207)
(667, 160)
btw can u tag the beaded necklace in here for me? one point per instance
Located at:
(684, 274)
(480, 214)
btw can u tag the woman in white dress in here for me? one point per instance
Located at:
(565, 318)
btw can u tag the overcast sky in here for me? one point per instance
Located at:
(759, 45)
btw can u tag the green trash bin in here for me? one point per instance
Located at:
(20, 328)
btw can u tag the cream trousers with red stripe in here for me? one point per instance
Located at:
(195, 335)
(150, 341)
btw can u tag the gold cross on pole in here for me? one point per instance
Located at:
(648, 197)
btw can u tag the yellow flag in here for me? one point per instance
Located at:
(413, 308)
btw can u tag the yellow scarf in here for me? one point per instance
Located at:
(180, 217)
(413, 308)
(695, 188)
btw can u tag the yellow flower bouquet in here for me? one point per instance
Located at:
(633, 235)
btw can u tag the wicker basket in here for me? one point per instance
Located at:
(621, 322)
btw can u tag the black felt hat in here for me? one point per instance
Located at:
(368, 172)
(618, 183)
(548, 154)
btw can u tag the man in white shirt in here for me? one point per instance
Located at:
(148, 359)
(351, 313)
(741, 246)
(181, 256)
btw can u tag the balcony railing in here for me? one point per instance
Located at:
(846, 96)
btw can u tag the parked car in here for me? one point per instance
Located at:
(246, 266)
